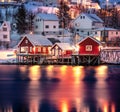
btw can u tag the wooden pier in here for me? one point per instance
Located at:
(110, 55)
(85, 60)
(42, 59)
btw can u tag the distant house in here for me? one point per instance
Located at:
(34, 44)
(85, 23)
(46, 24)
(62, 50)
(106, 34)
(89, 46)
(50, 2)
(5, 34)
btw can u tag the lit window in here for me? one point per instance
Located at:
(44, 49)
(39, 49)
(24, 49)
(88, 47)
(30, 49)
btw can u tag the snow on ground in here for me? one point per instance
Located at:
(7, 56)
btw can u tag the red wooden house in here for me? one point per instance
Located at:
(34, 44)
(89, 46)
(62, 50)
(88, 53)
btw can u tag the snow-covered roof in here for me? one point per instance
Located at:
(37, 40)
(7, 23)
(106, 29)
(90, 38)
(94, 17)
(64, 46)
(51, 17)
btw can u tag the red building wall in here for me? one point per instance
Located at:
(31, 48)
(91, 42)
(64, 53)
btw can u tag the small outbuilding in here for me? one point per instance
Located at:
(62, 50)
(89, 52)
(89, 46)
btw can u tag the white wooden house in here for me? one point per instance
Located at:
(46, 24)
(5, 33)
(85, 23)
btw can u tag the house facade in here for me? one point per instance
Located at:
(5, 34)
(34, 44)
(89, 46)
(62, 50)
(106, 34)
(85, 24)
(46, 24)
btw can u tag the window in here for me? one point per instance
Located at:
(54, 26)
(39, 49)
(4, 24)
(24, 49)
(4, 36)
(4, 29)
(26, 41)
(30, 49)
(36, 27)
(95, 32)
(44, 49)
(88, 33)
(83, 17)
(46, 26)
(116, 33)
(88, 48)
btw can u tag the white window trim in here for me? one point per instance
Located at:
(88, 47)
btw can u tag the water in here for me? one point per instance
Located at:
(58, 89)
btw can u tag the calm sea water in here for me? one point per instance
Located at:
(58, 89)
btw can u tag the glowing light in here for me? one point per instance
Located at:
(23, 69)
(50, 70)
(101, 71)
(31, 32)
(64, 106)
(105, 108)
(34, 72)
(78, 73)
(34, 49)
(34, 106)
(113, 108)
(63, 69)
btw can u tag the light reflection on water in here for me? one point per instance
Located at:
(31, 89)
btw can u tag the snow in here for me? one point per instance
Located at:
(38, 40)
(38, 7)
(7, 56)
(64, 46)
(51, 17)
